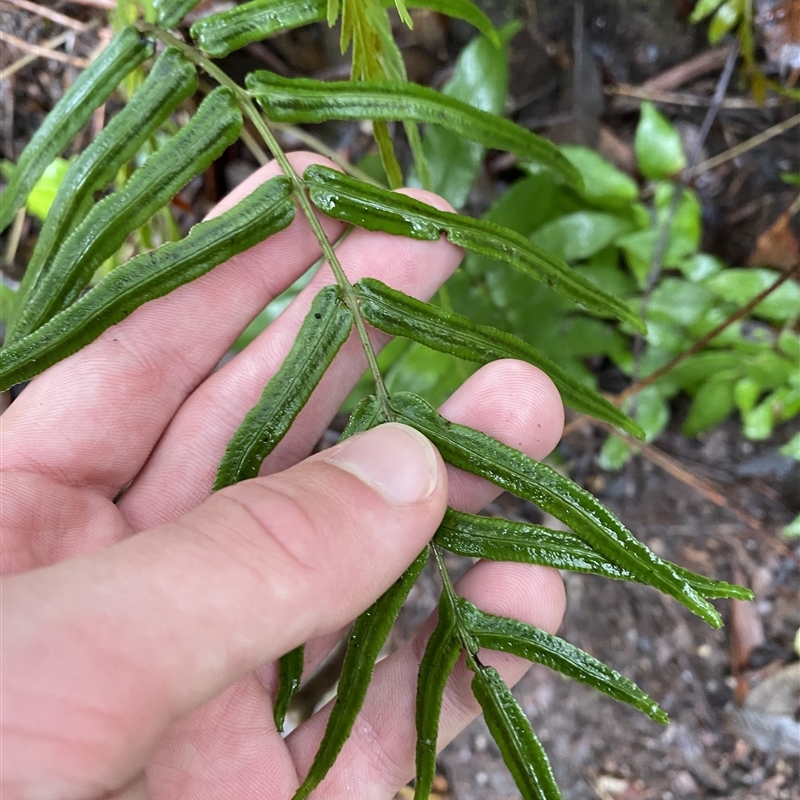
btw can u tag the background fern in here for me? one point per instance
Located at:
(54, 317)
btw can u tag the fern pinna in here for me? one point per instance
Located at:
(55, 317)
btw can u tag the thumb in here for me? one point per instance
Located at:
(144, 631)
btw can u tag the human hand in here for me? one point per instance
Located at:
(140, 637)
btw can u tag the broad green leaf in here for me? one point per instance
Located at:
(580, 235)
(693, 371)
(789, 343)
(652, 413)
(728, 14)
(364, 646)
(741, 285)
(792, 447)
(44, 191)
(432, 374)
(216, 125)
(704, 8)
(746, 392)
(603, 183)
(91, 89)
(264, 212)
(658, 147)
(377, 209)
(480, 78)
(171, 80)
(298, 100)
(515, 472)
(324, 330)
(534, 644)
(614, 454)
(441, 654)
(792, 531)
(758, 423)
(222, 33)
(686, 226)
(679, 301)
(700, 266)
(712, 403)
(499, 539)
(400, 315)
(290, 673)
(522, 753)
(171, 12)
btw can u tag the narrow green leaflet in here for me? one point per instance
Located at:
(365, 416)
(324, 330)
(499, 539)
(171, 12)
(441, 654)
(222, 33)
(522, 753)
(290, 673)
(171, 80)
(515, 472)
(216, 125)
(304, 100)
(91, 89)
(266, 211)
(400, 315)
(480, 77)
(534, 644)
(378, 209)
(366, 640)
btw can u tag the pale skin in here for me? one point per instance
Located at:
(140, 638)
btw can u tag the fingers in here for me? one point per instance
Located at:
(103, 652)
(218, 406)
(517, 404)
(109, 403)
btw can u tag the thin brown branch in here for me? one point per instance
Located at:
(39, 51)
(690, 70)
(749, 144)
(56, 41)
(47, 13)
(710, 490)
(696, 347)
(686, 98)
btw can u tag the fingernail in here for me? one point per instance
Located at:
(394, 459)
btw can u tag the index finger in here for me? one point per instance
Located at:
(107, 405)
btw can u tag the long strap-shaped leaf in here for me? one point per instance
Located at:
(306, 100)
(324, 330)
(264, 212)
(534, 644)
(441, 654)
(290, 674)
(90, 90)
(222, 33)
(522, 753)
(364, 646)
(171, 80)
(216, 125)
(365, 415)
(378, 209)
(396, 313)
(514, 471)
(171, 12)
(500, 539)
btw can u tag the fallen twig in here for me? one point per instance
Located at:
(749, 144)
(41, 51)
(686, 98)
(47, 13)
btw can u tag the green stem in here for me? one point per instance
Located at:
(467, 642)
(267, 135)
